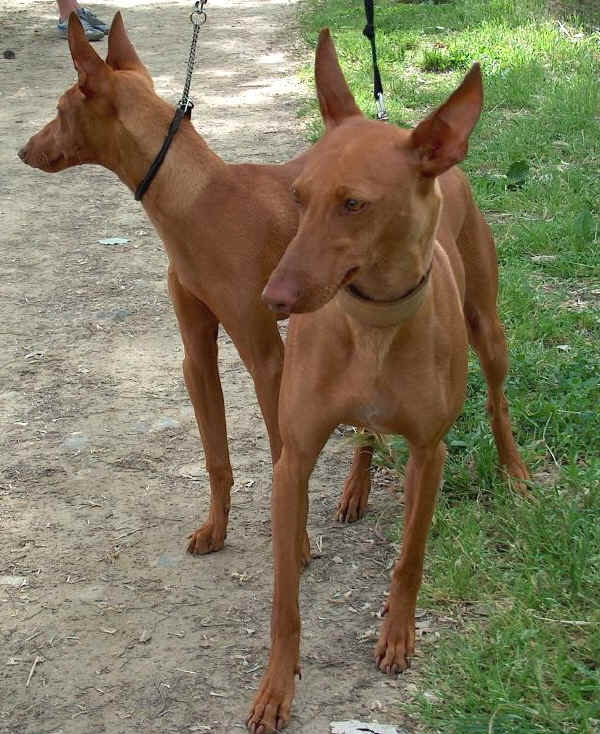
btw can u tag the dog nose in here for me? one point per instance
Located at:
(22, 153)
(280, 296)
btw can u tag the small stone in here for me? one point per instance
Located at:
(431, 697)
(355, 727)
(543, 258)
(13, 581)
(9, 54)
(75, 442)
(113, 241)
(164, 422)
(166, 561)
(120, 314)
(193, 471)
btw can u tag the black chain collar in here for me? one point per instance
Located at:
(185, 106)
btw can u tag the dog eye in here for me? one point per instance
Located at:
(296, 195)
(354, 205)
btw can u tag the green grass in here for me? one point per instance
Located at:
(522, 579)
(584, 11)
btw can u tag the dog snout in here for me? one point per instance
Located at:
(280, 295)
(22, 153)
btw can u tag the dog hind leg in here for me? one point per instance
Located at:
(486, 335)
(355, 495)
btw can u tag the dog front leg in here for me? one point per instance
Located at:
(289, 509)
(261, 349)
(396, 642)
(199, 328)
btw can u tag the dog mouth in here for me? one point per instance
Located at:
(316, 300)
(42, 161)
(325, 295)
(53, 166)
(308, 299)
(349, 276)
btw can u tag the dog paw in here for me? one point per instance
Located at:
(207, 539)
(517, 476)
(396, 645)
(271, 711)
(354, 499)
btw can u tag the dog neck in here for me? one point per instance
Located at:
(189, 159)
(382, 314)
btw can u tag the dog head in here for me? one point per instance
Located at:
(88, 113)
(366, 186)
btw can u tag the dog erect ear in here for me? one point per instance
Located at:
(121, 53)
(91, 69)
(441, 140)
(335, 98)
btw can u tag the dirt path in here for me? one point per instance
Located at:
(101, 475)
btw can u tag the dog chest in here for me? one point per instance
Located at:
(402, 385)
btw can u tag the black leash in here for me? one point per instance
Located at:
(185, 106)
(369, 32)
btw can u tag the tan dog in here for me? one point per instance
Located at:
(224, 228)
(391, 274)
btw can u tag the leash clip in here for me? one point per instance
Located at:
(381, 110)
(198, 16)
(186, 107)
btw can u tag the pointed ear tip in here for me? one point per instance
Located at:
(473, 80)
(117, 22)
(324, 37)
(475, 70)
(75, 34)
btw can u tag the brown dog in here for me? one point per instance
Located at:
(391, 274)
(218, 264)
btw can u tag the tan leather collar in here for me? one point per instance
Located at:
(383, 313)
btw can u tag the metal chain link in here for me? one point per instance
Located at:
(197, 19)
